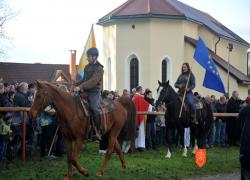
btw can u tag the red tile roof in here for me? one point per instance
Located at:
(169, 9)
(30, 72)
(234, 72)
(141, 8)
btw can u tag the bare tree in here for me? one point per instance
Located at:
(6, 14)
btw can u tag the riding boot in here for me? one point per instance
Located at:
(96, 127)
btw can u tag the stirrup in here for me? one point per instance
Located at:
(96, 137)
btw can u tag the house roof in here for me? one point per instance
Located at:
(30, 72)
(169, 9)
(234, 72)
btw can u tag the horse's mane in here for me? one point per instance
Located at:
(171, 89)
(56, 89)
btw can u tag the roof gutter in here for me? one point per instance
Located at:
(215, 46)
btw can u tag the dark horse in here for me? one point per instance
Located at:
(74, 123)
(173, 104)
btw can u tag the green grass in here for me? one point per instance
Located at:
(145, 165)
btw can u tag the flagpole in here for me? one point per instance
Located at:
(185, 91)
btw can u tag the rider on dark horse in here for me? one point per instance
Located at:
(181, 85)
(91, 84)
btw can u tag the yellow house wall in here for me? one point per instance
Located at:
(208, 37)
(109, 51)
(238, 56)
(166, 41)
(133, 42)
(190, 29)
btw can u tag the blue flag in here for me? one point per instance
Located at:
(212, 78)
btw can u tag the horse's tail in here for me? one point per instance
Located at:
(128, 132)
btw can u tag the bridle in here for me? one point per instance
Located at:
(165, 94)
(45, 96)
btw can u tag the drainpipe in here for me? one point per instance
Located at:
(248, 62)
(215, 46)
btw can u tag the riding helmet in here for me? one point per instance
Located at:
(93, 52)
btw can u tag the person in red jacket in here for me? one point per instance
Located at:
(140, 105)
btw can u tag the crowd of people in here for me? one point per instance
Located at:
(39, 132)
(224, 131)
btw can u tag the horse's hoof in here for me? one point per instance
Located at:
(184, 154)
(99, 174)
(84, 172)
(168, 155)
(124, 169)
(67, 178)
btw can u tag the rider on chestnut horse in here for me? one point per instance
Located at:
(91, 84)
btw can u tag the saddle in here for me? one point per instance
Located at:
(106, 106)
(197, 102)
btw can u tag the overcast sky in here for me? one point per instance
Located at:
(45, 30)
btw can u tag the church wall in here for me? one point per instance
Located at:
(238, 56)
(133, 38)
(109, 51)
(166, 41)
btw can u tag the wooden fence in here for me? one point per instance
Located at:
(24, 111)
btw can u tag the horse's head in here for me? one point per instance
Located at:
(162, 92)
(42, 99)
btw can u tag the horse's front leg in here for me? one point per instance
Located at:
(77, 149)
(68, 144)
(169, 142)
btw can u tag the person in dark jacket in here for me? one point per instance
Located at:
(248, 97)
(150, 123)
(21, 100)
(233, 106)
(220, 122)
(244, 120)
(4, 99)
(21, 97)
(181, 85)
(91, 84)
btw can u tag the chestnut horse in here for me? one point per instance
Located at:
(74, 124)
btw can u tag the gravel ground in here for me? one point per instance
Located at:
(230, 176)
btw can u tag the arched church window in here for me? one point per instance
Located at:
(164, 72)
(134, 73)
(109, 74)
